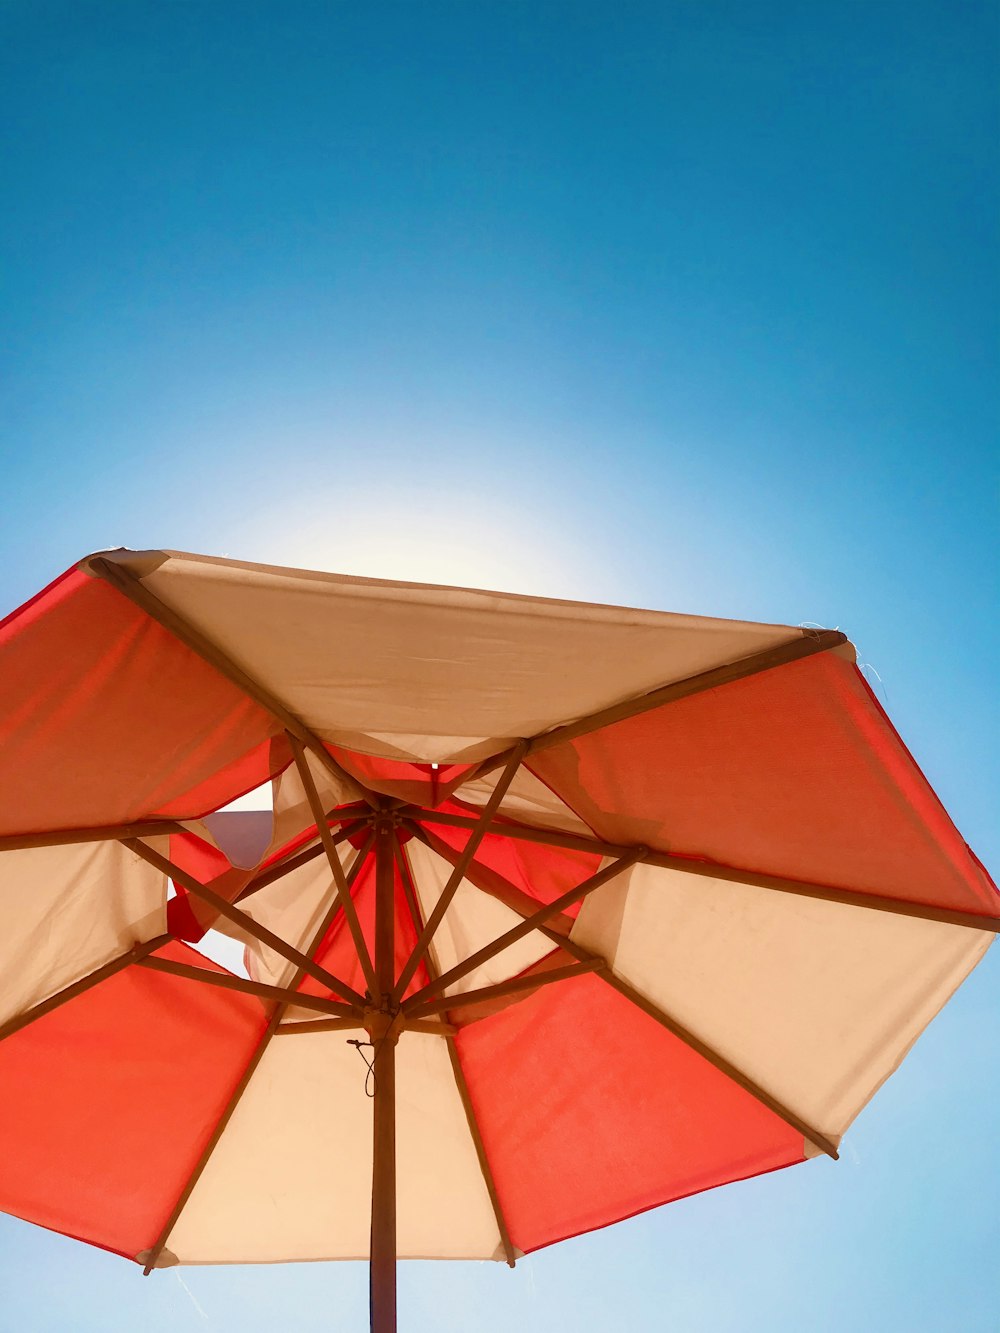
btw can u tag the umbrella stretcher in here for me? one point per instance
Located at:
(614, 906)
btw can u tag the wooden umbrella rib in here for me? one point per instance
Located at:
(510, 1254)
(713, 1057)
(241, 919)
(227, 981)
(134, 955)
(332, 1024)
(873, 902)
(149, 828)
(709, 870)
(335, 906)
(451, 888)
(428, 1026)
(293, 862)
(503, 828)
(607, 974)
(320, 1025)
(125, 582)
(150, 1258)
(431, 1027)
(526, 982)
(326, 838)
(410, 890)
(486, 879)
(458, 1072)
(805, 645)
(539, 918)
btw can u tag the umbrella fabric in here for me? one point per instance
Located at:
(792, 906)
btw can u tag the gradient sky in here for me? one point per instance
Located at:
(684, 305)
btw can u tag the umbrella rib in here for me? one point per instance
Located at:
(227, 981)
(326, 837)
(149, 1257)
(410, 895)
(433, 1027)
(607, 974)
(709, 870)
(125, 582)
(486, 879)
(529, 924)
(451, 888)
(428, 1025)
(811, 642)
(150, 828)
(282, 868)
(573, 842)
(245, 922)
(526, 982)
(134, 955)
(320, 1025)
(409, 890)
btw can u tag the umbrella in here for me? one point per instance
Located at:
(561, 912)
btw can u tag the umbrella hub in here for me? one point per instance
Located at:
(381, 1024)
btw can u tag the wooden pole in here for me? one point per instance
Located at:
(382, 1256)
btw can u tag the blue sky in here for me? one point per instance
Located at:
(684, 305)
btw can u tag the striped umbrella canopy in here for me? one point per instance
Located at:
(561, 912)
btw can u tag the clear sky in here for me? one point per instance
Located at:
(688, 305)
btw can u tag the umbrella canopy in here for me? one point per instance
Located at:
(561, 912)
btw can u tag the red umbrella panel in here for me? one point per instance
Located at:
(561, 912)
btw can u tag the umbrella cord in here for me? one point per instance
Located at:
(370, 1081)
(371, 1078)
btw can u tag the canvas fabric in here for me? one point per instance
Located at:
(580, 1104)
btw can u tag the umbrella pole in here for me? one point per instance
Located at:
(382, 1258)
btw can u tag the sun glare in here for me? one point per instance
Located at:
(468, 543)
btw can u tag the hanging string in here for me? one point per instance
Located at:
(371, 1078)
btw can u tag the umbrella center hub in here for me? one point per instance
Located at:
(380, 1023)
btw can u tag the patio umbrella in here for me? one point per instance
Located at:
(561, 912)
